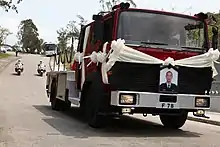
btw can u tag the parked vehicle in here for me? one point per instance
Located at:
(2, 50)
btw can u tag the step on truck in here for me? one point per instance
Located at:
(138, 61)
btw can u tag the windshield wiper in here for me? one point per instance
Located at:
(153, 43)
(190, 47)
(201, 49)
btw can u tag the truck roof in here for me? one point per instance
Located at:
(162, 12)
(153, 11)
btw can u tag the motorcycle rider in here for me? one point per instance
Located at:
(40, 64)
(17, 63)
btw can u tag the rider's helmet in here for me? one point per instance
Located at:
(19, 60)
(41, 61)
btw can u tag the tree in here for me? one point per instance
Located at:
(217, 23)
(7, 5)
(71, 31)
(82, 20)
(42, 44)
(107, 5)
(16, 47)
(28, 36)
(4, 33)
(62, 39)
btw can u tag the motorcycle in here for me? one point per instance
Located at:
(19, 68)
(41, 69)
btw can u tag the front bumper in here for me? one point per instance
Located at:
(160, 100)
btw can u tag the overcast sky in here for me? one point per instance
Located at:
(49, 15)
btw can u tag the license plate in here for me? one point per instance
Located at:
(167, 105)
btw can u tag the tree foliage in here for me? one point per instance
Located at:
(4, 33)
(217, 23)
(71, 31)
(42, 44)
(7, 5)
(106, 5)
(62, 38)
(28, 36)
(82, 20)
(16, 47)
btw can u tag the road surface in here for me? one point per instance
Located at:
(26, 120)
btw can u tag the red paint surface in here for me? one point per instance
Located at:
(164, 54)
(73, 67)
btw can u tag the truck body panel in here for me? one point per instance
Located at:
(65, 81)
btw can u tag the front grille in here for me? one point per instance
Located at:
(194, 80)
(135, 77)
(145, 78)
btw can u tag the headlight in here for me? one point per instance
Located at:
(202, 102)
(127, 99)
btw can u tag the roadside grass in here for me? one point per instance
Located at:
(4, 55)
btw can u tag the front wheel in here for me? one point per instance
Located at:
(174, 121)
(93, 107)
(55, 103)
(19, 73)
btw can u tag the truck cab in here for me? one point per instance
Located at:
(140, 87)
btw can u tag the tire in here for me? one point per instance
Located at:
(19, 73)
(93, 107)
(55, 103)
(66, 105)
(83, 99)
(174, 121)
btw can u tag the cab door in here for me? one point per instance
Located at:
(80, 67)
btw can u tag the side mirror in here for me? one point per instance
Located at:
(98, 27)
(96, 17)
(202, 16)
(215, 37)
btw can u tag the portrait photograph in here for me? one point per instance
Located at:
(168, 80)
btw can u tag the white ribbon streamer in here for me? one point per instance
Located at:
(120, 52)
(78, 57)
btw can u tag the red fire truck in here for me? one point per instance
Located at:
(170, 91)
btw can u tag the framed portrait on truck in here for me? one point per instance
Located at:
(168, 80)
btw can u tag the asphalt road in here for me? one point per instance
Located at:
(26, 120)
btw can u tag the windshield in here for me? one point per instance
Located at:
(159, 29)
(50, 47)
